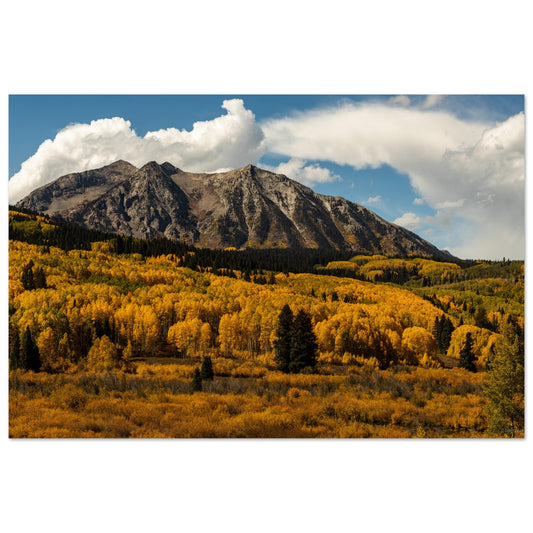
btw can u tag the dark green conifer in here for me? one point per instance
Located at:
(27, 279)
(282, 346)
(480, 318)
(304, 347)
(14, 347)
(442, 331)
(207, 369)
(39, 278)
(467, 357)
(30, 358)
(196, 385)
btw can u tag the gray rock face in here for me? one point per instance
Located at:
(68, 191)
(246, 207)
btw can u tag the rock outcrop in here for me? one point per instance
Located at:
(246, 207)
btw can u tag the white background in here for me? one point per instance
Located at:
(411, 47)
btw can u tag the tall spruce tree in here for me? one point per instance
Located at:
(30, 358)
(304, 347)
(196, 384)
(207, 369)
(27, 279)
(14, 347)
(282, 346)
(442, 331)
(467, 357)
(447, 330)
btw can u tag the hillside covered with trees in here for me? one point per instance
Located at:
(113, 336)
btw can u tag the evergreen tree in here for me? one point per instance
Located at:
(282, 346)
(467, 358)
(480, 318)
(39, 278)
(196, 385)
(207, 369)
(14, 347)
(27, 279)
(442, 331)
(303, 343)
(30, 358)
(446, 333)
(504, 388)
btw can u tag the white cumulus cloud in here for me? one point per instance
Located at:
(230, 141)
(308, 174)
(410, 221)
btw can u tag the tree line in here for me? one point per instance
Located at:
(70, 236)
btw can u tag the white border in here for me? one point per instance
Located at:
(273, 47)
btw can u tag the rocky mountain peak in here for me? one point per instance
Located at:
(169, 168)
(246, 207)
(152, 168)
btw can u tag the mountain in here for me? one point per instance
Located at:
(246, 207)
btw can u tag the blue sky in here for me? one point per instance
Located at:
(449, 168)
(34, 118)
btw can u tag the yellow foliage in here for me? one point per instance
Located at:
(103, 247)
(347, 265)
(102, 355)
(165, 371)
(483, 339)
(187, 336)
(149, 306)
(365, 403)
(418, 343)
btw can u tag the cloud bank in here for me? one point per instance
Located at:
(230, 141)
(468, 169)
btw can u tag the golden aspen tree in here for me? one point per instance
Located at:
(205, 336)
(186, 335)
(417, 342)
(52, 358)
(127, 356)
(482, 340)
(103, 355)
